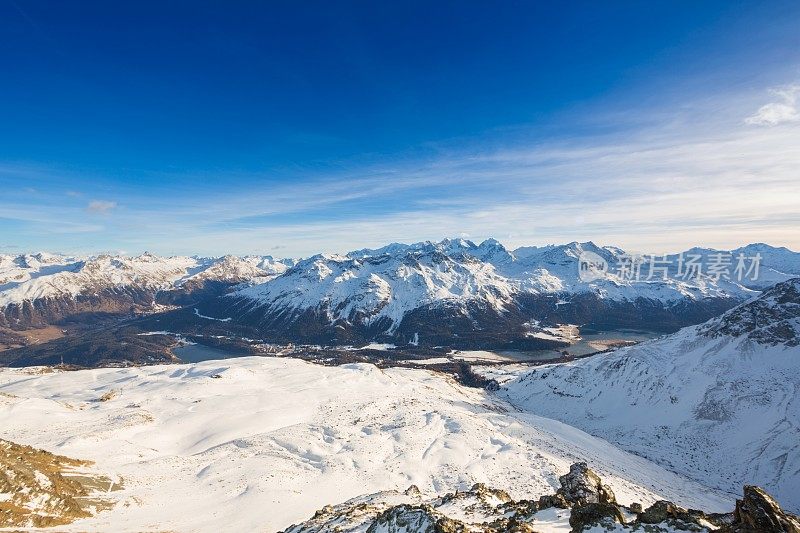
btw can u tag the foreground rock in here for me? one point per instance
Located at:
(581, 486)
(758, 511)
(582, 503)
(40, 489)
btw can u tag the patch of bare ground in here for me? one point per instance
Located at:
(608, 344)
(44, 334)
(41, 489)
(16, 339)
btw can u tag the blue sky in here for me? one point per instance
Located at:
(292, 128)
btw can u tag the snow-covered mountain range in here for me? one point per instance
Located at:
(436, 292)
(388, 283)
(260, 443)
(453, 292)
(44, 288)
(719, 401)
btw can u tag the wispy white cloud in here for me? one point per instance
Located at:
(669, 183)
(783, 110)
(102, 207)
(658, 194)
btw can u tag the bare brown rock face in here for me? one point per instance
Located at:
(758, 512)
(593, 513)
(660, 511)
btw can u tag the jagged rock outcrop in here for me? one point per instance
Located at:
(662, 510)
(552, 500)
(583, 502)
(758, 512)
(591, 514)
(414, 518)
(581, 486)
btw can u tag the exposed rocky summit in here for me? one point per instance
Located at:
(582, 503)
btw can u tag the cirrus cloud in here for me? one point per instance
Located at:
(784, 110)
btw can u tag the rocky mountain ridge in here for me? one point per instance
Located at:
(582, 503)
(773, 318)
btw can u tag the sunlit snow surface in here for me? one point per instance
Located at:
(260, 443)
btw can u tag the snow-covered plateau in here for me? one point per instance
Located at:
(257, 444)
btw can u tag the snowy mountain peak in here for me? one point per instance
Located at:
(556, 253)
(490, 242)
(384, 285)
(493, 252)
(447, 246)
(772, 318)
(778, 258)
(457, 244)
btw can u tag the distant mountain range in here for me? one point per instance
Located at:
(453, 293)
(40, 289)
